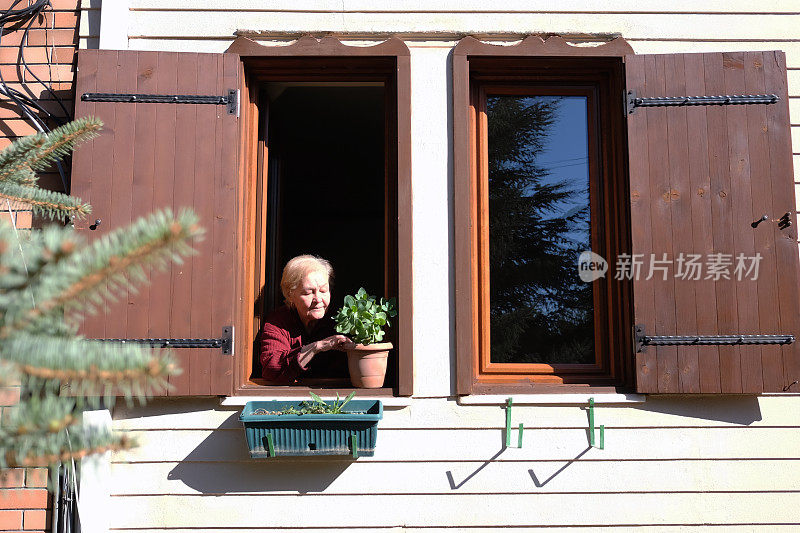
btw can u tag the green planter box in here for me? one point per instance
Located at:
(311, 434)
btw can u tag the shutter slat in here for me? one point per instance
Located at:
(702, 238)
(711, 172)
(103, 156)
(727, 321)
(661, 219)
(680, 203)
(749, 362)
(222, 229)
(151, 156)
(164, 165)
(639, 168)
(780, 150)
(768, 368)
(86, 76)
(203, 191)
(120, 211)
(143, 176)
(183, 186)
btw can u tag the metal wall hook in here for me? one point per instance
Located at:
(509, 402)
(591, 428)
(759, 221)
(97, 222)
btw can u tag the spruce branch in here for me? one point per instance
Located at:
(15, 155)
(43, 202)
(38, 153)
(63, 447)
(97, 272)
(39, 414)
(89, 367)
(44, 250)
(47, 274)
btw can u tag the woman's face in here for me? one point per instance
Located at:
(311, 297)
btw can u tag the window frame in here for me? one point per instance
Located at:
(477, 67)
(300, 56)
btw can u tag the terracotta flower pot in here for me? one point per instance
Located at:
(367, 364)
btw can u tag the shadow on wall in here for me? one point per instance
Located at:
(536, 481)
(733, 409)
(221, 464)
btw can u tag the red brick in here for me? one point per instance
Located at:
(41, 37)
(10, 519)
(12, 478)
(34, 519)
(65, 4)
(36, 478)
(23, 499)
(35, 55)
(9, 395)
(16, 72)
(63, 19)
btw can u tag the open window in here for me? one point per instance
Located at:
(327, 173)
(580, 195)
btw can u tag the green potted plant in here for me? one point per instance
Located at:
(363, 318)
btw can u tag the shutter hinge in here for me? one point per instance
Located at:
(628, 98)
(233, 102)
(632, 102)
(642, 340)
(224, 343)
(229, 100)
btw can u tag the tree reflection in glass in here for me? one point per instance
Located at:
(539, 222)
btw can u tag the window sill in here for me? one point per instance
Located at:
(387, 401)
(551, 399)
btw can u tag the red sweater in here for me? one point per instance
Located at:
(281, 339)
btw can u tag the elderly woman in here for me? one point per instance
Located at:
(298, 340)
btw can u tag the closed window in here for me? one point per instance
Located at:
(582, 197)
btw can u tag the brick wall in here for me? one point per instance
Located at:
(52, 44)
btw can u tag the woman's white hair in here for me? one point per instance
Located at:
(298, 268)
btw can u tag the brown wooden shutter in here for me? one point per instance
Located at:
(700, 176)
(154, 155)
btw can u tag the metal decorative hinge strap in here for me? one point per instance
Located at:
(225, 343)
(643, 340)
(632, 102)
(230, 100)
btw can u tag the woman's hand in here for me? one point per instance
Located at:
(334, 342)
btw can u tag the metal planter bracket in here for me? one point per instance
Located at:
(509, 402)
(592, 431)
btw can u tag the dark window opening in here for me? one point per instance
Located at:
(326, 183)
(329, 190)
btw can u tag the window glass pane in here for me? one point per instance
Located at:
(539, 223)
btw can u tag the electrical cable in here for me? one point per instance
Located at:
(29, 108)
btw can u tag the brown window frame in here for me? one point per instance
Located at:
(326, 59)
(536, 66)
